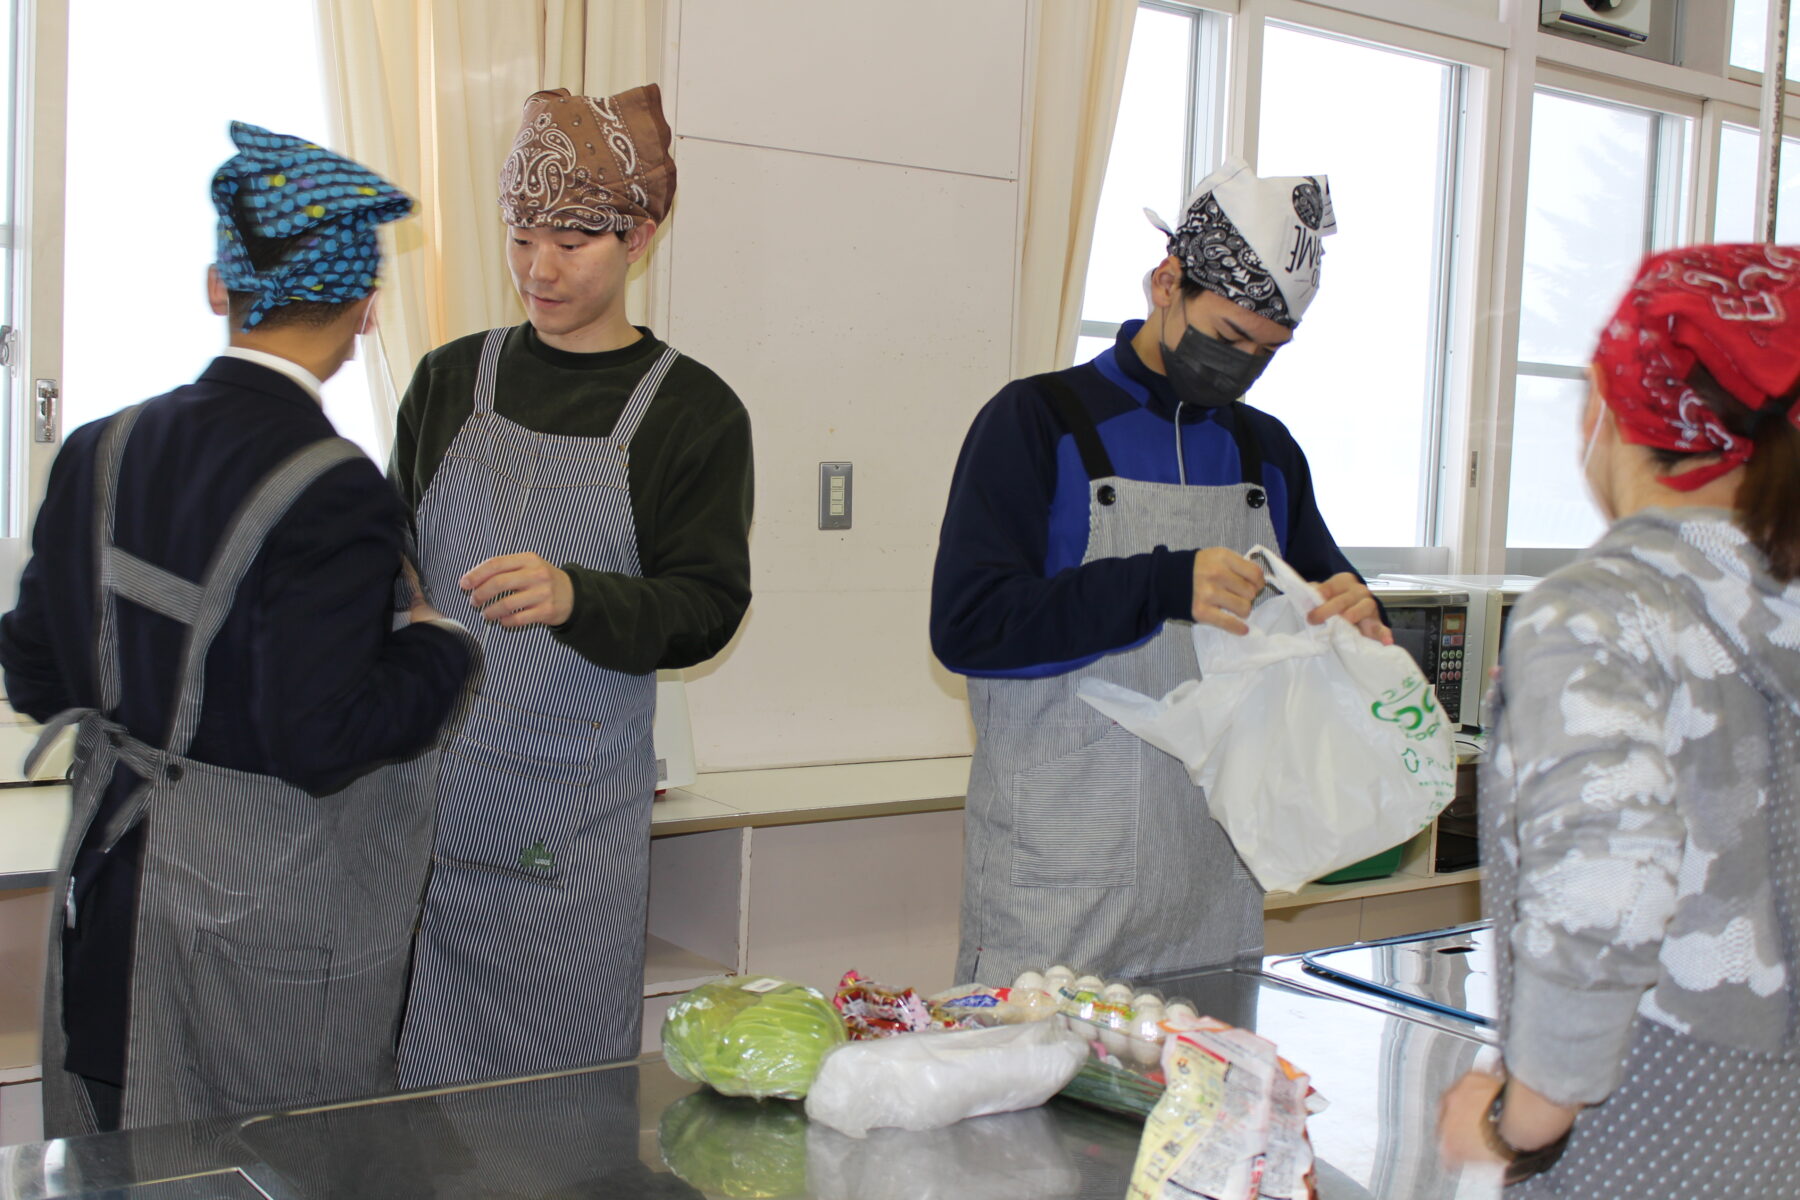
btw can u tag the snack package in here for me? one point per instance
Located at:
(1231, 1124)
(875, 1010)
(751, 1036)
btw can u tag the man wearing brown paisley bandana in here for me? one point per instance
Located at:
(583, 495)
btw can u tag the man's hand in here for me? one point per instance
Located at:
(423, 611)
(1348, 597)
(516, 590)
(1225, 586)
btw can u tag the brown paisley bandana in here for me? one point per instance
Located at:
(599, 164)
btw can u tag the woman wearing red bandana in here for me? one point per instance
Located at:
(1641, 828)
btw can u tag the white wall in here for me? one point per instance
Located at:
(842, 253)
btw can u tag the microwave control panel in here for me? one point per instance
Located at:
(1447, 673)
(1437, 636)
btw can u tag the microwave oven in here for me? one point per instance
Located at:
(1491, 600)
(1431, 623)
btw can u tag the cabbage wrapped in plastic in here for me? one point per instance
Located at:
(751, 1037)
(742, 1149)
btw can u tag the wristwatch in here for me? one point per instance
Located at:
(1520, 1164)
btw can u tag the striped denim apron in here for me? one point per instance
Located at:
(273, 926)
(1083, 845)
(531, 954)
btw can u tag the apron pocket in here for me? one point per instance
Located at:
(515, 789)
(1075, 818)
(518, 741)
(256, 1024)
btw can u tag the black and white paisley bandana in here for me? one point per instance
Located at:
(1257, 242)
(1216, 257)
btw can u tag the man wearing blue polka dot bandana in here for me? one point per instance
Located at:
(326, 208)
(252, 791)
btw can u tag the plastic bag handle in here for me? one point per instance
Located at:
(1283, 578)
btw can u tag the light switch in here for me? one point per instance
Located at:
(834, 495)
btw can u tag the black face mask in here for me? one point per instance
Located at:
(1208, 372)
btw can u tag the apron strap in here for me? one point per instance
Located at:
(107, 465)
(147, 584)
(641, 396)
(1250, 455)
(1098, 463)
(489, 371)
(54, 726)
(1080, 426)
(242, 543)
(146, 763)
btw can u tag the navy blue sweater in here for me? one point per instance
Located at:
(306, 681)
(1011, 598)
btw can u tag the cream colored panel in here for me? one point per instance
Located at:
(1420, 911)
(880, 895)
(829, 676)
(1297, 930)
(928, 83)
(24, 916)
(869, 330)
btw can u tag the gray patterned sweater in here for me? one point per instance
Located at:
(1641, 821)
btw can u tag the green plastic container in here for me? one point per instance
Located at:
(1379, 866)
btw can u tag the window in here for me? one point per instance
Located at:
(144, 135)
(1607, 185)
(1363, 386)
(1734, 213)
(1749, 37)
(1169, 134)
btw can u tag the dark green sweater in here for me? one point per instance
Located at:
(690, 480)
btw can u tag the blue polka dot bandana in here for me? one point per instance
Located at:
(280, 187)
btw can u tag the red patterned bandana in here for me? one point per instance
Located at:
(1730, 309)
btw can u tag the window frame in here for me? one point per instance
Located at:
(1464, 338)
(1670, 219)
(40, 84)
(1718, 114)
(1210, 37)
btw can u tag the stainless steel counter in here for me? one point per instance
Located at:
(638, 1131)
(1448, 974)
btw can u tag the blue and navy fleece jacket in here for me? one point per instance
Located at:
(1010, 595)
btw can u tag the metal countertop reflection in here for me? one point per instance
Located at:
(1448, 973)
(635, 1130)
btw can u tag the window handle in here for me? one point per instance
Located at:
(7, 337)
(44, 414)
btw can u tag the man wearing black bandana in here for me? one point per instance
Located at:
(1094, 512)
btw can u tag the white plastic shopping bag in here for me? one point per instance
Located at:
(929, 1080)
(1317, 747)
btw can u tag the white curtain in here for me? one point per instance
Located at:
(1077, 75)
(428, 93)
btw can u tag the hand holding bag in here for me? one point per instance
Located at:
(1317, 746)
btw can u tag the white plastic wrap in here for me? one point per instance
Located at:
(929, 1080)
(1317, 747)
(1008, 1156)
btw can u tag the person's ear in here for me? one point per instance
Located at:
(1165, 282)
(1593, 409)
(365, 320)
(637, 242)
(216, 294)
